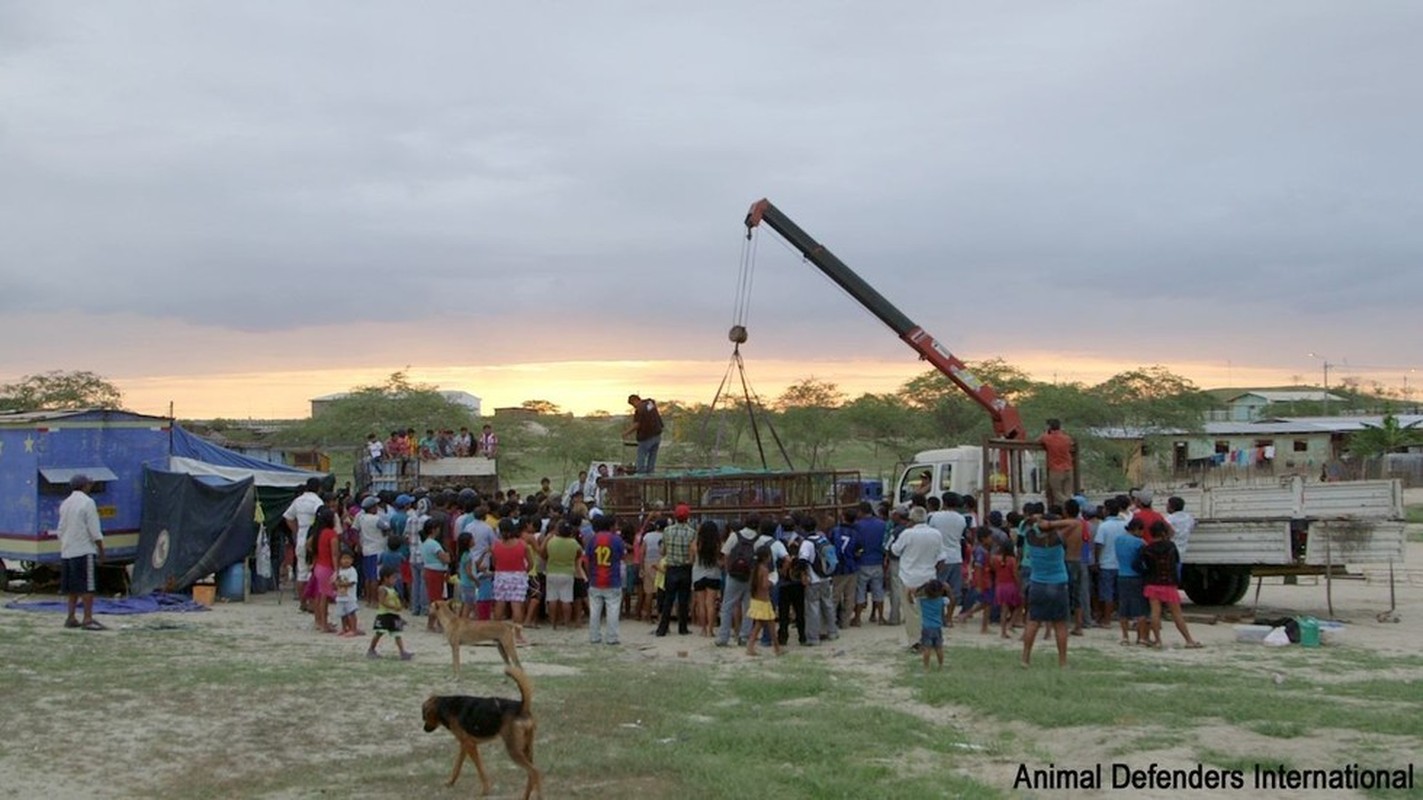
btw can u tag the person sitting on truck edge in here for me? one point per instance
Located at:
(1058, 446)
(488, 443)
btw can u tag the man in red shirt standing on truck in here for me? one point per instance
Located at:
(1059, 462)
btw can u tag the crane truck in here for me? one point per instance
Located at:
(1288, 529)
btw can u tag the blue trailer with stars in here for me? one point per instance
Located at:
(41, 450)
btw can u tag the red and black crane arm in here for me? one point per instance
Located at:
(1007, 423)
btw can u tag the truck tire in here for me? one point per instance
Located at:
(1241, 587)
(1213, 586)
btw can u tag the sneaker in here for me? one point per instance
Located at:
(406, 656)
(613, 642)
(596, 641)
(720, 643)
(372, 654)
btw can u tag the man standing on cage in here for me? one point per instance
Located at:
(646, 428)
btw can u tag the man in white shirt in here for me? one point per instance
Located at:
(81, 546)
(575, 487)
(950, 523)
(1182, 523)
(298, 517)
(918, 549)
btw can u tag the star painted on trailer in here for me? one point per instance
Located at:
(29, 444)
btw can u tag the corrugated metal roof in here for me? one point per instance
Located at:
(1274, 396)
(29, 418)
(1274, 426)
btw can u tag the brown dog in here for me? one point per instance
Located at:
(475, 720)
(468, 631)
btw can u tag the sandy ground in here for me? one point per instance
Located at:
(271, 629)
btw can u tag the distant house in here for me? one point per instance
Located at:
(469, 401)
(1275, 446)
(1253, 405)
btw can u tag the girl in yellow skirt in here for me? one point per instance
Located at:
(761, 613)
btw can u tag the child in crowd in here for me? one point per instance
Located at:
(388, 620)
(436, 565)
(468, 577)
(346, 602)
(1131, 602)
(393, 558)
(761, 613)
(1162, 560)
(1006, 591)
(982, 578)
(930, 597)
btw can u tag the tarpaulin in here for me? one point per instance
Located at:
(190, 529)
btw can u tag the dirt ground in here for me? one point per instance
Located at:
(151, 741)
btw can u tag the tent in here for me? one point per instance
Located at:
(191, 527)
(276, 484)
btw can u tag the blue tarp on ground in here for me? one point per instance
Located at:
(147, 604)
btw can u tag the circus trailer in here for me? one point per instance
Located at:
(41, 450)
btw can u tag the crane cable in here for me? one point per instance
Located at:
(745, 280)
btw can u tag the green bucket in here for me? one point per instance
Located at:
(1308, 632)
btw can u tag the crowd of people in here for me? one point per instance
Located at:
(557, 559)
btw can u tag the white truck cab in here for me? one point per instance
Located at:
(960, 470)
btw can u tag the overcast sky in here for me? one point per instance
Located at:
(192, 192)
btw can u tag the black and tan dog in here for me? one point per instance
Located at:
(460, 631)
(475, 720)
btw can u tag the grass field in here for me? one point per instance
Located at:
(243, 702)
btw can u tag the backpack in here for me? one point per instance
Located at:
(742, 558)
(826, 559)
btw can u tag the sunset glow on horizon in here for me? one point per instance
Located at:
(584, 387)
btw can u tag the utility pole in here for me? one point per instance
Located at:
(1327, 365)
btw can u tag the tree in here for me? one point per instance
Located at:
(51, 390)
(809, 422)
(1389, 437)
(888, 422)
(541, 407)
(1141, 403)
(396, 404)
(955, 416)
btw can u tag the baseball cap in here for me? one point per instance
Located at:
(403, 501)
(682, 512)
(1144, 496)
(370, 502)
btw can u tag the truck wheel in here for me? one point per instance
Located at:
(1212, 586)
(1241, 587)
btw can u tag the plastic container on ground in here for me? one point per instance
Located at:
(232, 582)
(1253, 634)
(1308, 632)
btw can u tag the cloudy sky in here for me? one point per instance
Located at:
(238, 206)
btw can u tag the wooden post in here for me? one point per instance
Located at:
(1328, 571)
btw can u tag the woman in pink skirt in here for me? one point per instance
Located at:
(511, 573)
(1160, 559)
